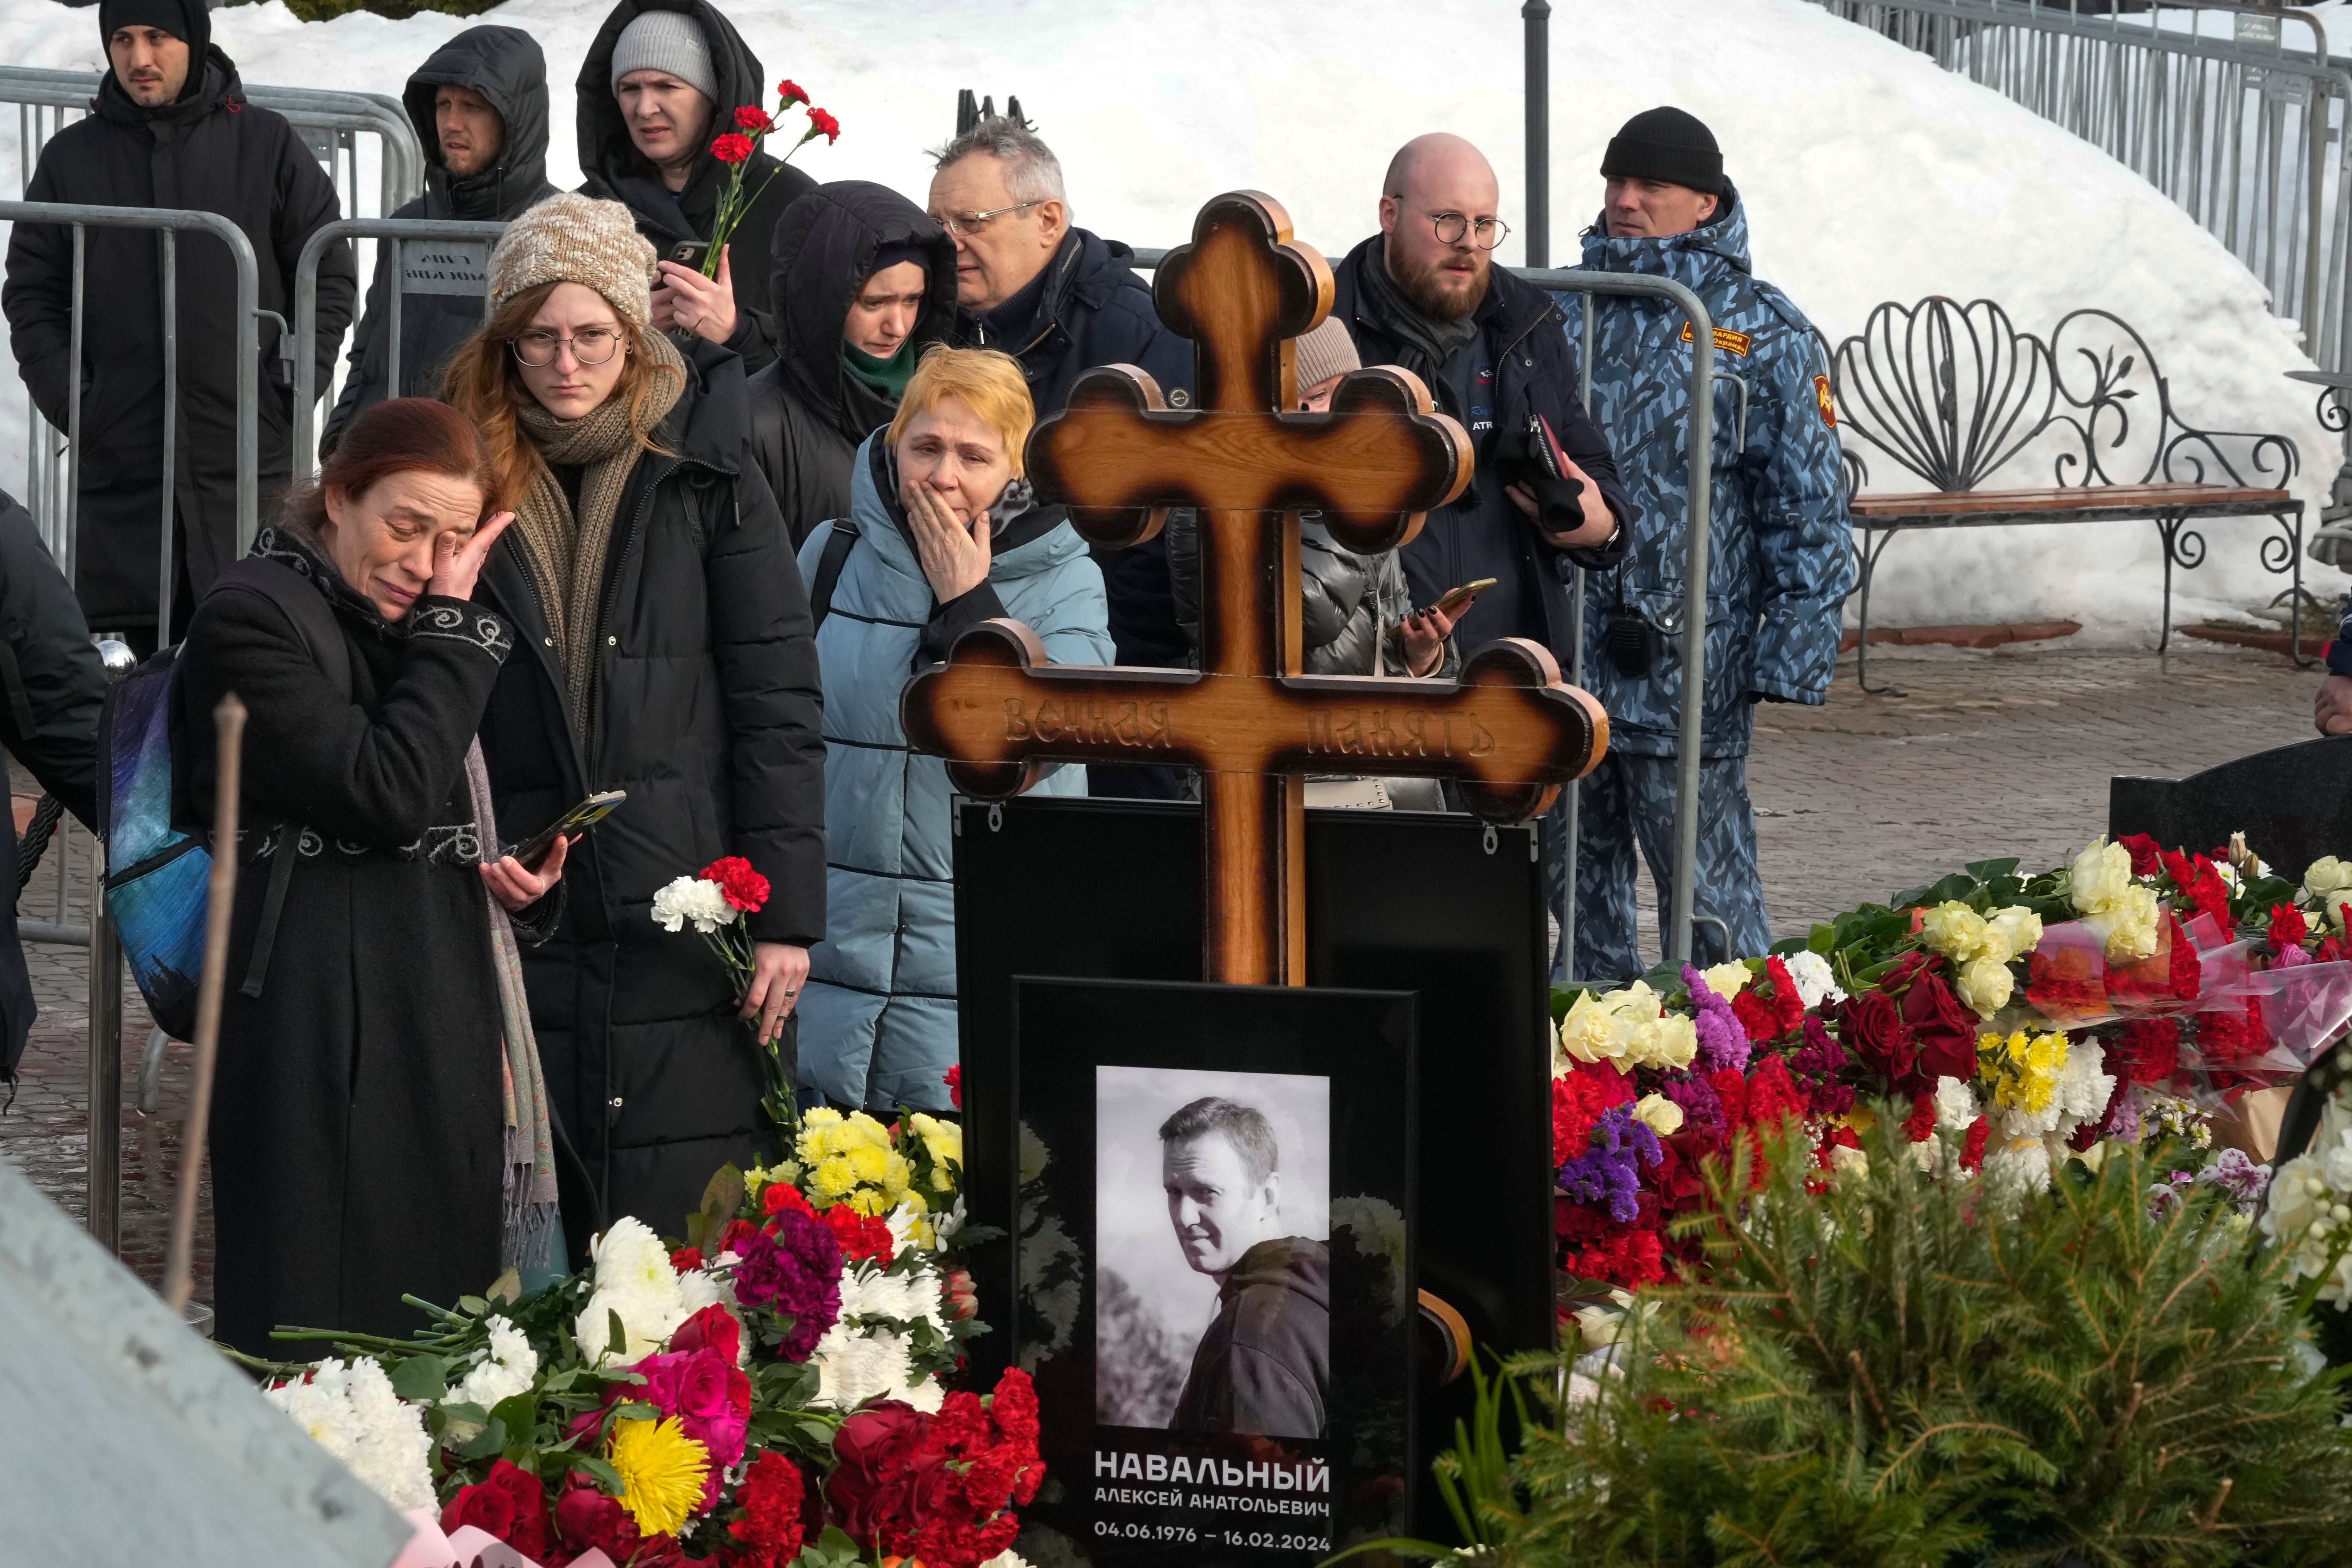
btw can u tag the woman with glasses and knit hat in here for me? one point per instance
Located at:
(663, 649)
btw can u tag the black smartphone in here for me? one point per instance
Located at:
(572, 824)
(689, 253)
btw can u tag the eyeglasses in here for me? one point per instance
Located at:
(963, 225)
(1452, 226)
(590, 346)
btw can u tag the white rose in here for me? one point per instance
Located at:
(2011, 933)
(1660, 1114)
(1591, 1032)
(2326, 875)
(1727, 979)
(1666, 1043)
(2128, 925)
(2099, 876)
(1953, 929)
(1848, 1162)
(1984, 983)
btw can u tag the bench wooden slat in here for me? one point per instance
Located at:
(2104, 498)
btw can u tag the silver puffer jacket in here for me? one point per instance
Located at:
(1348, 603)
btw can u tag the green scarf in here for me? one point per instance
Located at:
(887, 378)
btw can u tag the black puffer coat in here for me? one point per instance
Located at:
(808, 412)
(212, 152)
(615, 171)
(704, 705)
(505, 66)
(51, 686)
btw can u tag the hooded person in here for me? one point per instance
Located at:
(659, 83)
(170, 128)
(864, 283)
(480, 106)
(663, 649)
(1781, 559)
(942, 532)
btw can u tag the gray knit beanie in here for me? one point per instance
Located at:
(573, 238)
(668, 41)
(1324, 352)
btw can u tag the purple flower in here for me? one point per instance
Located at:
(1701, 1105)
(796, 1273)
(1722, 1039)
(1607, 1172)
(2124, 1123)
(2239, 1175)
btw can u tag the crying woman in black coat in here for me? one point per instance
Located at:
(361, 1139)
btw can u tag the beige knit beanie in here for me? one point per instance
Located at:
(1319, 355)
(573, 238)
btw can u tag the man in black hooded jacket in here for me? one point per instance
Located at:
(480, 106)
(170, 127)
(617, 169)
(822, 396)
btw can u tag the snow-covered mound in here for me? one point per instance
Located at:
(1870, 175)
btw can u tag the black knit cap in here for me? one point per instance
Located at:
(1665, 144)
(171, 16)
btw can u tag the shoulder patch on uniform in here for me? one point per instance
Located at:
(1828, 403)
(1730, 341)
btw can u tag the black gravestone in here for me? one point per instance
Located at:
(2293, 804)
(1442, 906)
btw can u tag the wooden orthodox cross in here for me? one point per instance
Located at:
(1510, 733)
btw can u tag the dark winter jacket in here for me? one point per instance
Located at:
(878, 1023)
(808, 412)
(505, 66)
(1781, 554)
(212, 152)
(704, 705)
(1089, 309)
(1518, 365)
(1264, 1365)
(51, 685)
(615, 171)
(358, 1120)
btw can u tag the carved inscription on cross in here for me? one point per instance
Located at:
(1510, 733)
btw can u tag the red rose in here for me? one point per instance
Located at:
(883, 1483)
(954, 1080)
(742, 887)
(2288, 928)
(510, 1503)
(713, 1328)
(789, 93)
(711, 1399)
(755, 120)
(737, 1232)
(822, 124)
(2146, 857)
(1871, 1026)
(586, 1519)
(1946, 1032)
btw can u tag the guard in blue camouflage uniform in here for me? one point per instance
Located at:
(1781, 555)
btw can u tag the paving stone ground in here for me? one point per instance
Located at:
(1992, 753)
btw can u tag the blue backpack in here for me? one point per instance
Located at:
(158, 871)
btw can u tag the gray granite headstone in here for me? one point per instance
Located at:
(2293, 804)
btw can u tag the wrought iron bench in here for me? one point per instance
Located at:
(1953, 393)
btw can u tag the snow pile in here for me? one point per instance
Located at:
(1870, 174)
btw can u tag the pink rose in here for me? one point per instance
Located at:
(698, 1387)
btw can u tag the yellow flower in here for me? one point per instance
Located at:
(870, 1164)
(1984, 983)
(862, 1131)
(1660, 1114)
(832, 1179)
(943, 1141)
(1955, 930)
(662, 1470)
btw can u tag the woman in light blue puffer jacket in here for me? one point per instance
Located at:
(942, 532)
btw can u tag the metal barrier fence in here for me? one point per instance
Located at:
(332, 124)
(1682, 909)
(398, 233)
(2246, 133)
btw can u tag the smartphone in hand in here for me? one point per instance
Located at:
(689, 253)
(570, 825)
(1452, 601)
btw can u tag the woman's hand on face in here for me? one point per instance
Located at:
(517, 888)
(955, 560)
(702, 306)
(779, 970)
(1425, 632)
(456, 566)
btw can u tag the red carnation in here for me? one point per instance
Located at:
(861, 1236)
(779, 1196)
(788, 93)
(686, 1258)
(2145, 855)
(737, 1232)
(771, 1498)
(1772, 1095)
(755, 120)
(953, 1078)
(2230, 1035)
(2288, 928)
(742, 887)
(510, 1503)
(732, 148)
(822, 124)
(2196, 877)
(1920, 1125)
(1972, 1148)
(2147, 1052)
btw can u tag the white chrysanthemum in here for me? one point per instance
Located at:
(868, 1293)
(854, 1367)
(1005, 1560)
(2020, 1166)
(504, 1369)
(634, 1278)
(2085, 1086)
(1956, 1104)
(350, 1410)
(1816, 982)
(943, 1226)
(691, 898)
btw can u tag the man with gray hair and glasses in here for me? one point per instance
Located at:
(1063, 301)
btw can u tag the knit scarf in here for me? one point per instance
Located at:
(887, 378)
(567, 552)
(1424, 346)
(527, 1211)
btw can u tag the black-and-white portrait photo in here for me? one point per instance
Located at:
(1213, 1257)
